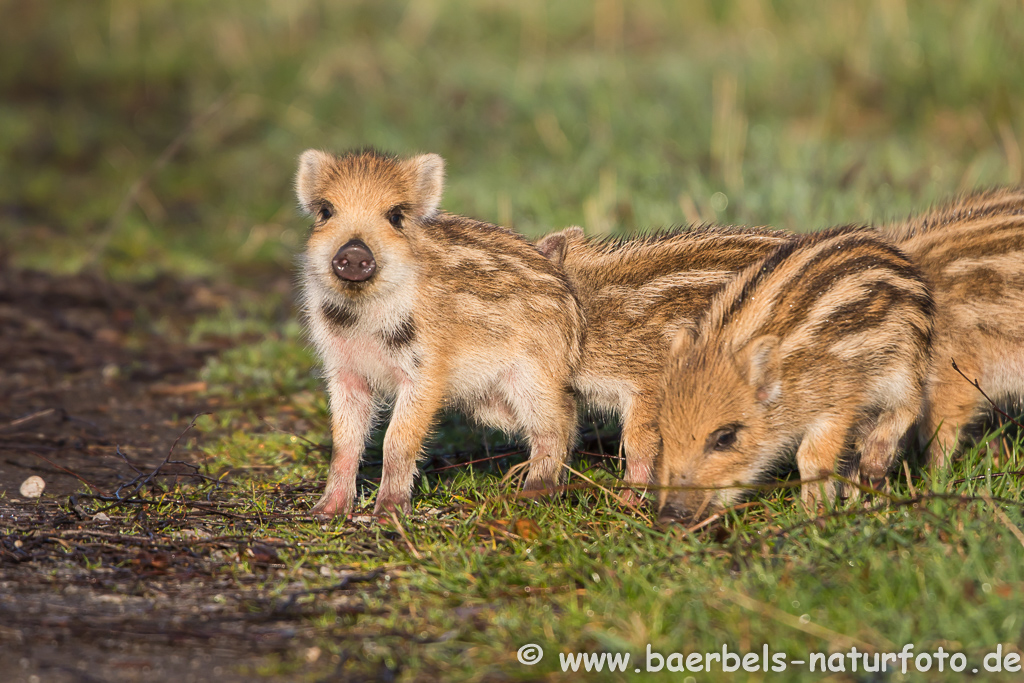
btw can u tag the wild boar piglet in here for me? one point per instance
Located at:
(422, 310)
(971, 251)
(636, 294)
(822, 349)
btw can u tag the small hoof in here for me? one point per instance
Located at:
(329, 507)
(538, 487)
(385, 508)
(327, 513)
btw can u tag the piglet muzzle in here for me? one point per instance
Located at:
(354, 262)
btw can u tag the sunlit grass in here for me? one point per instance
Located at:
(475, 572)
(616, 116)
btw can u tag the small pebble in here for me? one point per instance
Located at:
(101, 517)
(32, 487)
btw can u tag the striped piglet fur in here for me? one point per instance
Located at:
(423, 310)
(822, 348)
(971, 251)
(636, 294)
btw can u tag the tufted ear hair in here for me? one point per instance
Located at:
(684, 340)
(761, 363)
(427, 171)
(555, 245)
(312, 164)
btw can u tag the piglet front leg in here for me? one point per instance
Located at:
(352, 412)
(416, 407)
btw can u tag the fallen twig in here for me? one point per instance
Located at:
(1007, 522)
(77, 476)
(977, 386)
(401, 532)
(473, 462)
(145, 479)
(620, 499)
(28, 418)
(904, 502)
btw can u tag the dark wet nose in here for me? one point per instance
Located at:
(354, 262)
(671, 514)
(667, 519)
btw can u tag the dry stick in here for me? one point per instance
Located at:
(998, 410)
(142, 181)
(64, 469)
(515, 469)
(1004, 518)
(857, 512)
(28, 418)
(143, 479)
(978, 387)
(167, 461)
(611, 493)
(719, 515)
(769, 487)
(762, 487)
(525, 494)
(993, 475)
(401, 532)
(910, 483)
(472, 462)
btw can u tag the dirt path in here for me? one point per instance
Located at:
(89, 368)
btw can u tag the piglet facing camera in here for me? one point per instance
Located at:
(822, 348)
(422, 310)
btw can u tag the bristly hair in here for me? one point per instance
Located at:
(991, 201)
(652, 236)
(369, 150)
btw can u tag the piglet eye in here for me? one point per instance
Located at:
(325, 212)
(395, 218)
(723, 439)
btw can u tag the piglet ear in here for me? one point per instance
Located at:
(428, 182)
(312, 164)
(761, 359)
(555, 245)
(684, 340)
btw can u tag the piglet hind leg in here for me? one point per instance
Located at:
(550, 433)
(953, 404)
(415, 411)
(352, 412)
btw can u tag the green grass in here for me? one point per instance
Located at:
(613, 115)
(475, 574)
(617, 116)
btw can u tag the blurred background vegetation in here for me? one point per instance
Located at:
(161, 136)
(140, 138)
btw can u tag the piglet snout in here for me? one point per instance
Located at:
(354, 262)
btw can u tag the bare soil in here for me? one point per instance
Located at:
(97, 381)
